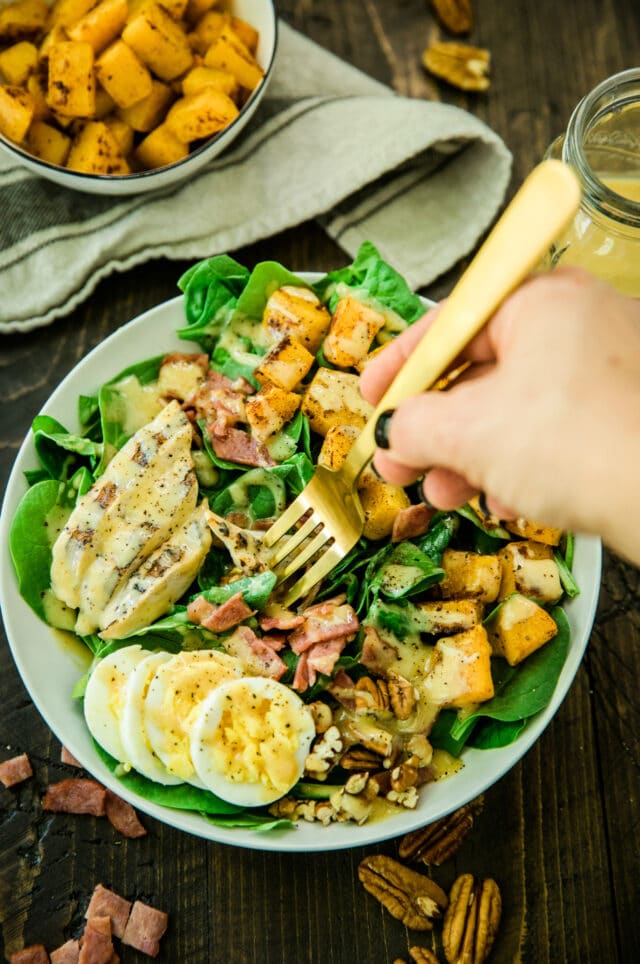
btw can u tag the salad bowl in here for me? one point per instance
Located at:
(51, 662)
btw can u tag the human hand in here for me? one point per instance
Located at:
(546, 421)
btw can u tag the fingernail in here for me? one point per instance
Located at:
(382, 429)
(375, 471)
(482, 502)
(420, 494)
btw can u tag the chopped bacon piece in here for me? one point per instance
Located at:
(411, 522)
(239, 447)
(285, 622)
(324, 656)
(377, 654)
(259, 658)
(275, 640)
(76, 796)
(198, 609)
(228, 614)
(67, 954)
(96, 946)
(35, 954)
(106, 903)
(15, 770)
(325, 621)
(218, 402)
(145, 927)
(123, 817)
(342, 689)
(304, 676)
(69, 759)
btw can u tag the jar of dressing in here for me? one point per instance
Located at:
(602, 144)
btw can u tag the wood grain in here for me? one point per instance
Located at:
(561, 832)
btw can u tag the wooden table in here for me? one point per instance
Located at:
(561, 832)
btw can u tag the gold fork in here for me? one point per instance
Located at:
(543, 206)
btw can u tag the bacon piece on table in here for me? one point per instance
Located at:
(96, 946)
(411, 522)
(76, 796)
(123, 817)
(67, 954)
(35, 954)
(69, 759)
(15, 770)
(145, 927)
(106, 903)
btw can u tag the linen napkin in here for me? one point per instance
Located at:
(421, 180)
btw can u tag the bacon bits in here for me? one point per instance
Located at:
(123, 817)
(36, 954)
(67, 954)
(145, 927)
(96, 946)
(105, 903)
(15, 770)
(76, 796)
(69, 759)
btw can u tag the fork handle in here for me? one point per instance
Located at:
(544, 205)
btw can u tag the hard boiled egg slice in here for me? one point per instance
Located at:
(178, 687)
(104, 698)
(137, 749)
(250, 739)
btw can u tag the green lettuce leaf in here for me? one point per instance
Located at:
(211, 291)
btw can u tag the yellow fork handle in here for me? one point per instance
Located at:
(542, 208)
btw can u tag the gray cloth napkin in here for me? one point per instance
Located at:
(421, 180)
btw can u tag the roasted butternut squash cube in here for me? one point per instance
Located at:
(66, 12)
(48, 143)
(336, 446)
(105, 103)
(160, 148)
(208, 29)
(459, 670)
(39, 97)
(381, 503)
(469, 575)
(488, 520)
(333, 398)
(147, 113)
(200, 115)
(535, 531)
(96, 151)
(529, 568)
(270, 409)
(229, 53)
(199, 77)
(159, 41)
(245, 32)
(297, 311)
(197, 9)
(124, 77)
(285, 365)
(101, 24)
(518, 628)
(72, 84)
(122, 132)
(18, 61)
(56, 35)
(446, 616)
(176, 8)
(353, 328)
(16, 112)
(23, 18)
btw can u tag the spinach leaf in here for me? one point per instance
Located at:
(441, 736)
(491, 734)
(266, 277)
(223, 361)
(112, 404)
(211, 291)
(569, 584)
(58, 450)
(405, 571)
(442, 530)
(496, 532)
(250, 820)
(255, 590)
(371, 278)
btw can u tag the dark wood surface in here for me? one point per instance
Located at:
(561, 832)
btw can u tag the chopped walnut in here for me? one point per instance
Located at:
(405, 798)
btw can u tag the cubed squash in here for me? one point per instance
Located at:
(535, 531)
(229, 53)
(269, 410)
(469, 575)
(159, 41)
(489, 521)
(96, 151)
(176, 8)
(336, 446)
(284, 365)
(101, 24)
(122, 75)
(208, 29)
(529, 568)
(148, 112)
(199, 77)
(18, 61)
(66, 12)
(105, 103)
(246, 32)
(23, 18)
(48, 143)
(353, 328)
(39, 97)
(181, 375)
(333, 398)
(297, 311)
(197, 9)
(72, 86)
(519, 627)
(200, 115)
(160, 148)
(446, 616)
(56, 35)
(459, 670)
(122, 132)
(17, 108)
(381, 503)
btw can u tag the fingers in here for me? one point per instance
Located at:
(447, 490)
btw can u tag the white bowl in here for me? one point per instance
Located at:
(261, 15)
(50, 666)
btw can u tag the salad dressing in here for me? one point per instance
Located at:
(140, 403)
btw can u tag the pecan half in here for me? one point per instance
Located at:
(472, 920)
(461, 65)
(402, 697)
(422, 955)
(357, 758)
(440, 840)
(371, 695)
(408, 896)
(455, 15)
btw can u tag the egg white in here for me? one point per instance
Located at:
(137, 749)
(104, 699)
(175, 692)
(249, 740)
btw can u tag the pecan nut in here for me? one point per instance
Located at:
(357, 758)
(455, 15)
(422, 955)
(371, 695)
(402, 697)
(471, 921)
(461, 65)
(440, 840)
(408, 896)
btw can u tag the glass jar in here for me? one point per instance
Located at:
(602, 144)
